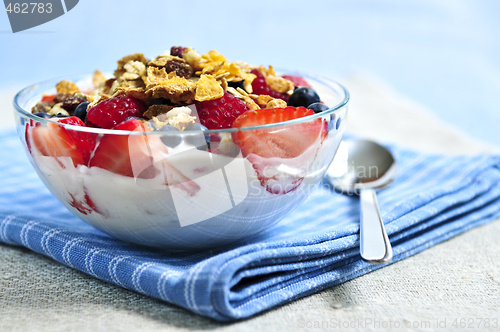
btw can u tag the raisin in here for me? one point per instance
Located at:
(181, 68)
(71, 102)
(177, 51)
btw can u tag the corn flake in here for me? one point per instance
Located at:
(279, 84)
(262, 100)
(169, 86)
(276, 103)
(208, 88)
(67, 87)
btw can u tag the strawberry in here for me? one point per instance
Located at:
(124, 154)
(138, 156)
(284, 142)
(53, 140)
(85, 142)
(268, 149)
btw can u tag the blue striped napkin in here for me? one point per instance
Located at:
(433, 199)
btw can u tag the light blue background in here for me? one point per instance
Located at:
(445, 54)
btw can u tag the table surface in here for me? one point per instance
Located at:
(458, 279)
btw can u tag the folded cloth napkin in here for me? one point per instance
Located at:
(433, 199)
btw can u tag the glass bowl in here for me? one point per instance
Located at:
(187, 196)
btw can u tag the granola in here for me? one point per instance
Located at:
(175, 79)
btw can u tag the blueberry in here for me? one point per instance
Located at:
(60, 115)
(197, 139)
(303, 97)
(81, 111)
(195, 126)
(317, 107)
(42, 115)
(170, 140)
(337, 125)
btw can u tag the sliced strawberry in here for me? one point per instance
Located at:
(287, 141)
(85, 141)
(27, 136)
(139, 156)
(53, 140)
(126, 155)
(292, 145)
(297, 80)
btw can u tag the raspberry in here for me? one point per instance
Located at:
(110, 112)
(220, 113)
(260, 87)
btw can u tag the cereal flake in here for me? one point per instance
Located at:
(67, 87)
(208, 88)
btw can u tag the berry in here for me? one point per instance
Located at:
(48, 98)
(112, 111)
(220, 113)
(289, 141)
(54, 140)
(132, 155)
(195, 127)
(127, 155)
(318, 107)
(60, 115)
(177, 51)
(170, 140)
(197, 139)
(42, 115)
(303, 97)
(72, 120)
(81, 111)
(260, 87)
(270, 149)
(90, 124)
(297, 80)
(85, 142)
(71, 102)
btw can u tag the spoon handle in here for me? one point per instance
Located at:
(375, 245)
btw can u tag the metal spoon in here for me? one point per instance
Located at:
(360, 167)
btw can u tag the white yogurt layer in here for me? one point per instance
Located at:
(212, 199)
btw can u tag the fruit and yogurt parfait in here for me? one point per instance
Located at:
(184, 150)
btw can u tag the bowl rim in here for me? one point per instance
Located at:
(320, 79)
